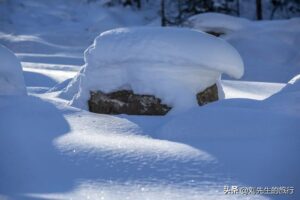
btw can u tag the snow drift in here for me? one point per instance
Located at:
(269, 48)
(216, 22)
(11, 75)
(170, 63)
(244, 130)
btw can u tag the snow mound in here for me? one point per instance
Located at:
(165, 45)
(273, 44)
(216, 22)
(11, 75)
(170, 63)
(266, 130)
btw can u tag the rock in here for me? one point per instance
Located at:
(126, 102)
(210, 94)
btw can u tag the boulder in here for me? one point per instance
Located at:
(126, 102)
(210, 94)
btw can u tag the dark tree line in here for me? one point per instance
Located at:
(286, 7)
(132, 3)
(174, 12)
(259, 11)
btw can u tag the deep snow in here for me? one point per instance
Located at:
(173, 64)
(92, 155)
(269, 48)
(11, 75)
(50, 150)
(216, 22)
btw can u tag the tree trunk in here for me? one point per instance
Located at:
(258, 10)
(238, 7)
(162, 12)
(138, 4)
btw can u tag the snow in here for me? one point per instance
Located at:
(154, 61)
(250, 90)
(266, 59)
(51, 150)
(133, 191)
(276, 57)
(32, 29)
(97, 156)
(287, 100)
(11, 75)
(243, 129)
(117, 149)
(216, 22)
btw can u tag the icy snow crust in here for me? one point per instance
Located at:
(11, 75)
(173, 64)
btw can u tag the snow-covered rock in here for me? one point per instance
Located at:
(216, 23)
(269, 48)
(173, 64)
(11, 75)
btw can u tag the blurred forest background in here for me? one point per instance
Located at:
(174, 12)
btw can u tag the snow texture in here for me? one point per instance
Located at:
(216, 22)
(50, 150)
(274, 59)
(277, 58)
(171, 63)
(11, 75)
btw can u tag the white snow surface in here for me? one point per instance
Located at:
(34, 31)
(269, 48)
(216, 22)
(11, 75)
(275, 58)
(51, 150)
(173, 64)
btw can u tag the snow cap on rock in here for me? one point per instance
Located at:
(173, 64)
(178, 46)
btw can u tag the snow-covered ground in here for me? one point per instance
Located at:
(269, 48)
(51, 150)
(11, 74)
